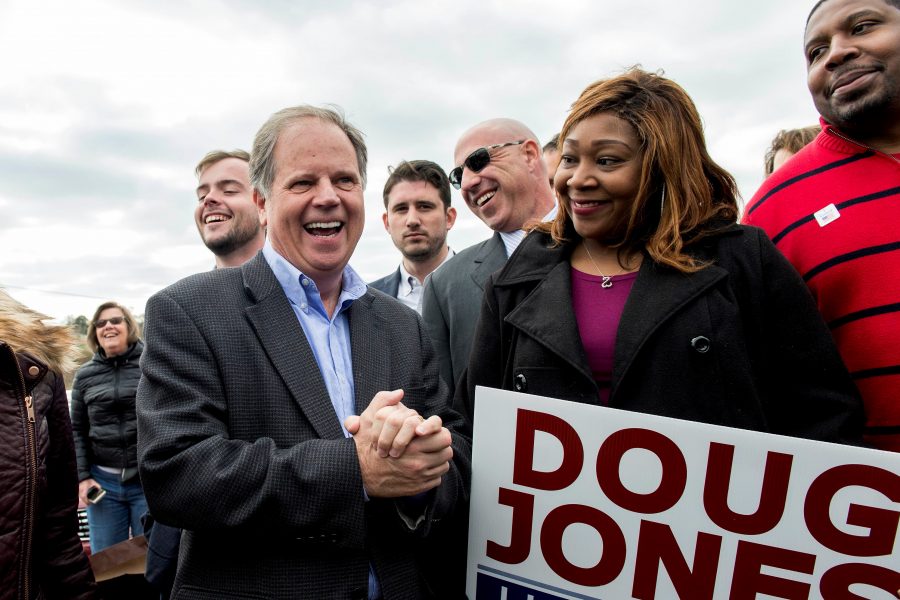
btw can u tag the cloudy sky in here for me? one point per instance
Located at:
(105, 107)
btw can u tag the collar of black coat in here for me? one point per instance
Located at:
(537, 255)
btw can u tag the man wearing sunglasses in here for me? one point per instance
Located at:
(501, 175)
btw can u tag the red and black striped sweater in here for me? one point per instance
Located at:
(834, 211)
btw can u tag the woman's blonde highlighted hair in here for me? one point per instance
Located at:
(683, 194)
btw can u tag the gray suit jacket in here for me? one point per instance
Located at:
(451, 303)
(239, 443)
(389, 284)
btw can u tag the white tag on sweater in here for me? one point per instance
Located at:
(826, 215)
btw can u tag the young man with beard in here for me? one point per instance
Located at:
(417, 216)
(228, 222)
(834, 209)
(226, 217)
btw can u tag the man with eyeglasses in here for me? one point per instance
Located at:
(502, 177)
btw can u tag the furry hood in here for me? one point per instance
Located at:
(25, 331)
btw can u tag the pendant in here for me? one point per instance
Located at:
(606, 283)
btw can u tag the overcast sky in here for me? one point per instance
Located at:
(105, 107)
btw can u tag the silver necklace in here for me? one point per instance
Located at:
(607, 279)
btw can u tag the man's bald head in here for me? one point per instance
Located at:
(512, 187)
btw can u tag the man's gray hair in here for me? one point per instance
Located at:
(262, 156)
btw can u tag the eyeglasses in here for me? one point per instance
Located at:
(476, 161)
(114, 320)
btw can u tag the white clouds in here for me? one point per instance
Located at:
(105, 107)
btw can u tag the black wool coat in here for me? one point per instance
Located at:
(739, 343)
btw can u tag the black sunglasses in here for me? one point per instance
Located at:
(114, 320)
(476, 161)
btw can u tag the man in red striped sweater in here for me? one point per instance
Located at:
(834, 208)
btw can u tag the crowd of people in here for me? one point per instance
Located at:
(287, 430)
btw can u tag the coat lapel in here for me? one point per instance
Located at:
(489, 259)
(395, 283)
(546, 315)
(658, 294)
(283, 340)
(371, 367)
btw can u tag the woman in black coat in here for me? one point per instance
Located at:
(105, 426)
(643, 294)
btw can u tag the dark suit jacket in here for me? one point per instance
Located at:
(389, 284)
(240, 445)
(451, 303)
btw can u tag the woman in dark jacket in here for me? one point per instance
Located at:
(643, 294)
(105, 426)
(40, 553)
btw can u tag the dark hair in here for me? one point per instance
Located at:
(134, 332)
(699, 195)
(419, 170)
(553, 144)
(791, 140)
(894, 3)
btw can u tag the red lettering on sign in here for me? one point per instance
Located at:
(612, 558)
(881, 523)
(528, 422)
(674, 470)
(836, 581)
(748, 580)
(520, 537)
(772, 496)
(657, 546)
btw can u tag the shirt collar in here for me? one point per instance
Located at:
(407, 282)
(302, 290)
(512, 239)
(405, 286)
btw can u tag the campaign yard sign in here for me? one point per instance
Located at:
(575, 501)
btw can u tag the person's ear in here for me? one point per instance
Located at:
(451, 218)
(260, 201)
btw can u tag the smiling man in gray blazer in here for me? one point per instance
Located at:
(503, 179)
(265, 427)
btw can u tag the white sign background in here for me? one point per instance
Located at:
(640, 472)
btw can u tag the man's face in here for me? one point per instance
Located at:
(853, 60)
(314, 213)
(417, 220)
(225, 214)
(502, 193)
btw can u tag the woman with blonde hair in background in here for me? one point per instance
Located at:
(40, 553)
(644, 294)
(105, 425)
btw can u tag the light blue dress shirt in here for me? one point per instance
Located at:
(329, 338)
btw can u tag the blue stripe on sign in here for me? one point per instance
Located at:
(491, 588)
